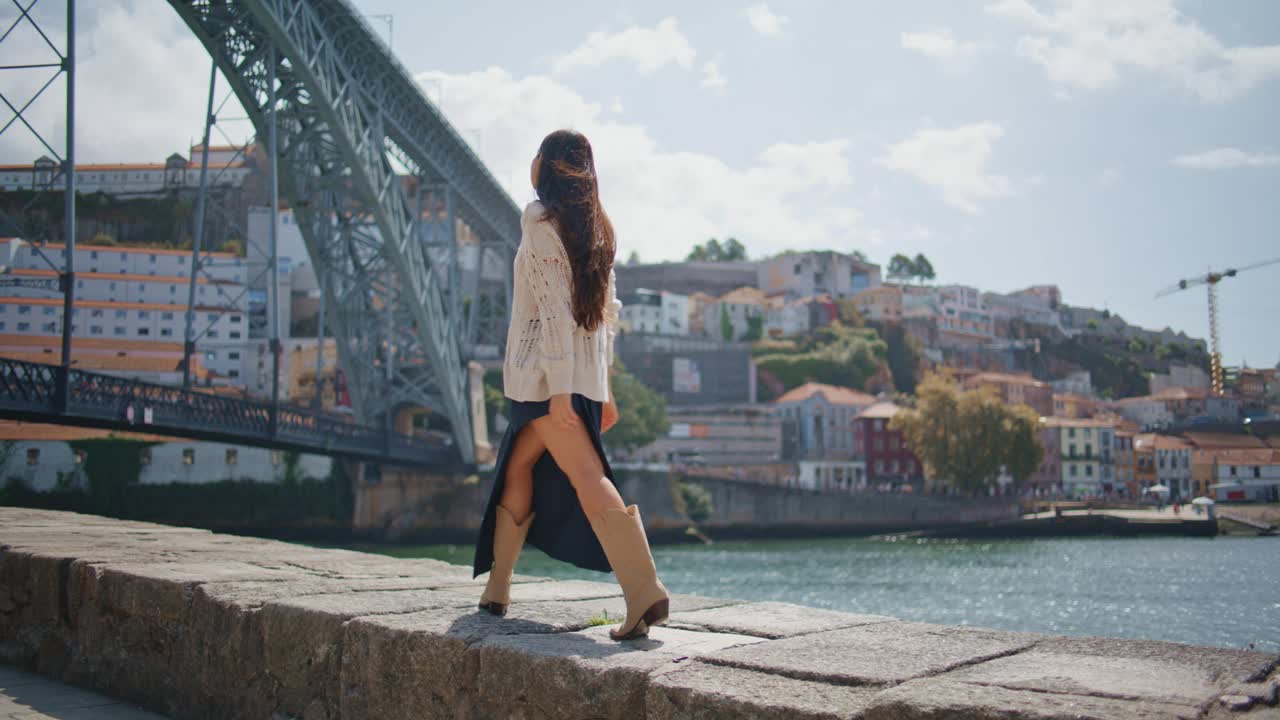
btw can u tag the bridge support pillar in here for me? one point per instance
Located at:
(479, 418)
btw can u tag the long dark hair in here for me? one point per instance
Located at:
(568, 191)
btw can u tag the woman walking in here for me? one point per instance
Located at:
(553, 483)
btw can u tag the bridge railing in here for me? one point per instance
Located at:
(30, 391)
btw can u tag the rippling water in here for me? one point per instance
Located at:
(1221, 591)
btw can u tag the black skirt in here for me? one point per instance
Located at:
(560, 527)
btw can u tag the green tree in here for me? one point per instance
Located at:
(848, 314)
(715, 251)
(921, 268)
(755, 328)
(697, 254)
(966, 437)
(726, 325)
(733, 250)
(900, 267)
(642, 413)
(859, 256)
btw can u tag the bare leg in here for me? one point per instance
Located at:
(573, 452)
(517, 490)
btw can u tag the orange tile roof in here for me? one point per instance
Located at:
(108, 304)
(1057, 421)
(1256, 456)
(128, 249)
(834, 395)
(1170, 442)
(128, 277)
(744, 296)
(1006, 378)
(1222, 441)
(16, 430)
(881, 410)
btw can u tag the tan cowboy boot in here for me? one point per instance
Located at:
(622, 535)
(508, 538)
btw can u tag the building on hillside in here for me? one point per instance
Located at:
(882, 303)
(698, 301)
(1014, 389)
(1247, 475)
(654, 311)
(43, 458)
(1186, 403)
(1144, 465)
(687, 278)
(1126, 481)
(805, 274)
(1180, 376)
(740, 307)
(784, 318)
(1046, 481)
(227, 168)
(688, 371)
(1173, 466)
(1146, 411)
(954, 313)
(1079, 382)
(1251, 389)
(1033, 306)
(821, 420)
(884, 450)
(1074, 405)
(1087, 451)
(732, 435)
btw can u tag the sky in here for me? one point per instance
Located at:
(1110, 147)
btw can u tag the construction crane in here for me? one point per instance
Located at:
(1210, 281)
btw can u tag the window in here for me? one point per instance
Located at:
(33, 456)
(879, 466)
(233, 456)
(235, 319)
(233, 373)
(143, 332)
(1257, 471)
(212, 334)
(166, 332)
(1233, 471)
(235, 334)
(166, 316)
(49, 310)
(96, 312)
(24, 309)
(893, 466)
(122, 314)
(1088, 470)
(1073, 471)
(1071, 432)
(118, 331)
(50, 327)
(188, 456)
(24, 326)
(142, 287)
(111, 285)
(1, 325)
(95, 329)
(143, 314)
(879, 443)
(93, 255)
(152, 259)
(124, 256)
(212, 317)
(233, 356)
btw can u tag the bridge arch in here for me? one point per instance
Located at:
(411, 304)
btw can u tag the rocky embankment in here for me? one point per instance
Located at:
(195, 624)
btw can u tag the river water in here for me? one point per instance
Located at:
(1207, 591)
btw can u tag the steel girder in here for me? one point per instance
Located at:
(345, 108)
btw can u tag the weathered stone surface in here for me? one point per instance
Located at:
(772, 619)
(582, 674)
(881, 653)
(1145, 670)
(937, 699)
(698, 691)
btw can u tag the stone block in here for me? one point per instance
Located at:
(772, 619)
(582, 674)
(876, 654)
(699, 691)
(943, 699)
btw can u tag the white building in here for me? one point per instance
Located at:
(652, 311)
(821, 418)
(1180, 376)
(832, 475)
(784, 318)
(805, 274)
(1145, 410)
(1247, 475)
(1079, 382)
(740, 306)
(227, 168)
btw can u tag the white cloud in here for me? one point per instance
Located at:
(1087, 45)
(661, 200)
(649, 49)
(938, 44)
(711, 75)
(1226, 159)
(764, 21)
(955, 162)
(158, 110)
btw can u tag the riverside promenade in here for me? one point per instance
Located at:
(194, 624)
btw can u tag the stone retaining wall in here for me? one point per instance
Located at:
(198, 625)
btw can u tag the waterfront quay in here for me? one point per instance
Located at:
(193, 624)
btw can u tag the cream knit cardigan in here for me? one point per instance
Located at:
(548, 353)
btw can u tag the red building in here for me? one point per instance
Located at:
(887, 456)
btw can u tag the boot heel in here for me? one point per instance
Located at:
(658, 613)
(494, 608)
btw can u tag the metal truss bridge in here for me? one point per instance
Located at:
(411, 236)
(33, 392)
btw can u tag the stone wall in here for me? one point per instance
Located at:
(198, 625)
(407, 505)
